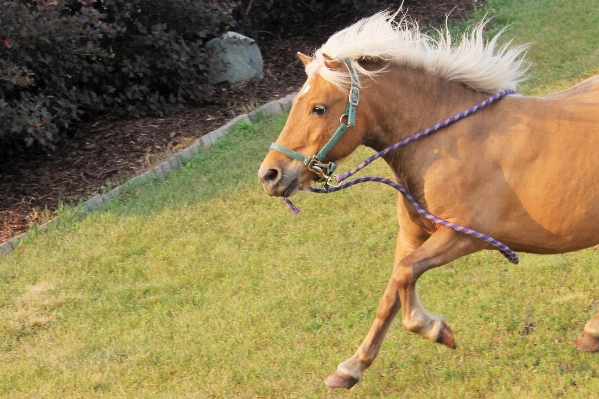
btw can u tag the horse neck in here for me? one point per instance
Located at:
(403, 101)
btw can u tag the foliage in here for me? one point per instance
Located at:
(274, 16)
(202, 286)
(63, 59)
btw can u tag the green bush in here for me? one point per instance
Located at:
(64, 59)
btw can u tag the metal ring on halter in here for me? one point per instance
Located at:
(329, 183)
(343, 116)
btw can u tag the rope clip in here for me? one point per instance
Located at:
(324, 171)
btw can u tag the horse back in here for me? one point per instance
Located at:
(586, 91)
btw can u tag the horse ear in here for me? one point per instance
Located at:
(304, 58)
(332, 65)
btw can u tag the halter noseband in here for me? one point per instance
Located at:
(314, 163)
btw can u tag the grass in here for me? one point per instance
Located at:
(204, 287)
(563, 34)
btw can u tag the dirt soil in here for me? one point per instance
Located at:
(104, 153)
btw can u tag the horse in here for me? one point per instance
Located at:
(522, 170)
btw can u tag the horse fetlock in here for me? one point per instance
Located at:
(426, 325)
(587, 342)
(434, 330)
(589, 339)
(592, 327)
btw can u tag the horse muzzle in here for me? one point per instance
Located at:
(279, 183)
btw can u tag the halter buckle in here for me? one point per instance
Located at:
(354, 95)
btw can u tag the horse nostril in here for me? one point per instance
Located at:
(271, 176)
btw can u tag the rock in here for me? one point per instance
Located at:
(235, 58)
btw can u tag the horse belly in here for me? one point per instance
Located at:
(555, 201)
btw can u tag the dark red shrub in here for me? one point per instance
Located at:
(275, 16)
(63, 59)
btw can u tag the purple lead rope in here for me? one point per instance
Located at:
(425, 132)
(505, 250)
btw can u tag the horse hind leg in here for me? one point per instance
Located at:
(589, 339)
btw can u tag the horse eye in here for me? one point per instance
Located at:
(319, 110)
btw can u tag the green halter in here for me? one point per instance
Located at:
(314, 163)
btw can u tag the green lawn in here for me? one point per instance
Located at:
(564, 38)
(204, 287)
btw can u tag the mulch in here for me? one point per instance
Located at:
(102, 153)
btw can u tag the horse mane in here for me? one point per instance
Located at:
(478, 64)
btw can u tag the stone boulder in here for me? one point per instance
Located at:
(235, 58)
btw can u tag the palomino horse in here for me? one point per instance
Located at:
(522, 170)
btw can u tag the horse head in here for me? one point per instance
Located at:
(311, 138)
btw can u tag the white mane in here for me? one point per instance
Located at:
(477, 64)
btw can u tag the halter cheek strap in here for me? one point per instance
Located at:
(314, 163)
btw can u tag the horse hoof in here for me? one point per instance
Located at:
(587, 342)
(338, 380)
(446, 337)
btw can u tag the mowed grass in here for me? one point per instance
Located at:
(204, 287)
(563, 37)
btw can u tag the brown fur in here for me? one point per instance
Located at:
(523, 170)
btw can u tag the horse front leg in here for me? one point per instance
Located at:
(442, 247)
(350, 371)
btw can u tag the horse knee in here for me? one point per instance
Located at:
(403, 276)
